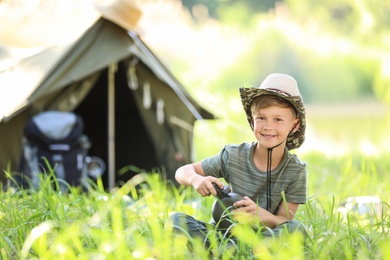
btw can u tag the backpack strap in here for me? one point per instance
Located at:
(85, 144)
(58, 161)
(31, 168)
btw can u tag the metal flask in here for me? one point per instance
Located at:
(223, 205)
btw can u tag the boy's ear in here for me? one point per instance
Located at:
(295, 126)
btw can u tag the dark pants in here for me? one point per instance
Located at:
(193, 228)
(183, 223)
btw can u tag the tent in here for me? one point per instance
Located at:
(136, 113)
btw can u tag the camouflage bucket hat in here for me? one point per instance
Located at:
(285, 87)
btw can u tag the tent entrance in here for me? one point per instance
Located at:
(133, 145)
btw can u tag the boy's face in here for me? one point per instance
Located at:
(272, 125)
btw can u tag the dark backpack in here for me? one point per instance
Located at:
(58, 138)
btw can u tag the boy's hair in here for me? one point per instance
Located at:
(268, 101)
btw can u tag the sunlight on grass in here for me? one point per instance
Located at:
(131, 222)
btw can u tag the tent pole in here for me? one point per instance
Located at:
(111, 125)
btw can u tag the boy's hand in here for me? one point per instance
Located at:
(204, 185)
(246, 205)
(249, 206)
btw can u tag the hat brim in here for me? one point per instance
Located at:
(295, 139)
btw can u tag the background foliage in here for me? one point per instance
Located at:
(336, 53)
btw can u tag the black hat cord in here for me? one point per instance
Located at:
(269, 166)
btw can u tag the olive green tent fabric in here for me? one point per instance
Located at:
(154, 113)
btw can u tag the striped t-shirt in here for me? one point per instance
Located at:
(235, 164)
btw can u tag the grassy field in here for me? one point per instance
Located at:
(346, 215)
(131, 222)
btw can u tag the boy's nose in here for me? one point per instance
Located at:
(267, 124)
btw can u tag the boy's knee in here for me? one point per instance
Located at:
(294, 225)
(178, 218)
(288, 226)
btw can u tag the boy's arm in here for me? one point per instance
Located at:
(288, 213)
(284, 214)
(193, 175)
(265, 217)
(272, 221)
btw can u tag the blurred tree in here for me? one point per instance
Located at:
(216, 8)
(357, 72)
(337, 77)
(365, 20)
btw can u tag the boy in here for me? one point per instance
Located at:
(260, 171)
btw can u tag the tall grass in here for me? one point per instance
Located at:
(332, 234)
(131, 222)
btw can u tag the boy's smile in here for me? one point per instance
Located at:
(268, 140)
(266, 136)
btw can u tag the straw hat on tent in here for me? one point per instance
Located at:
(121, 12)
